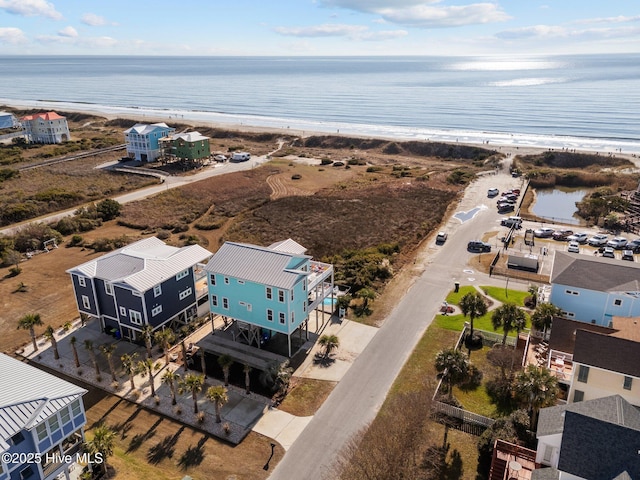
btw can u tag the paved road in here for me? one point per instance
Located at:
(170, 182)
(359, 395)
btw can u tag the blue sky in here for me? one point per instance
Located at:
(318, 27)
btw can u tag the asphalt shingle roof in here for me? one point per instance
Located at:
(595, 273)
(608, 352)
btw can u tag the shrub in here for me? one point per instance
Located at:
(296, 176)
(226, 428)
(338, 164)
(163, 234)
(76, 240)
(374, 169)
(326, 161)
(108, 209)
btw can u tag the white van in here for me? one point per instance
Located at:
(512, 222)
(240, 157)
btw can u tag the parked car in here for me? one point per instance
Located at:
(634, 245)
(562, 234)
(478, 246)
(516, 191)
(492, 192)
(512, 222)
(608, 252)
(578, 237)
(543, 232)
(220, 158)
(574, 247)
(505, 208)
(441, 238)
(598, 240)
(505, 200)
(617, 243)
(628, 255)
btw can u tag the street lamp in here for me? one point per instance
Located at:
(266, 465)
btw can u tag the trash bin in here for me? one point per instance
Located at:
(456, 287)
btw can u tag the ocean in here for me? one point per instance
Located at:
(587, 102)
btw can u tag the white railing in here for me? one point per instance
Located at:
(464, 415)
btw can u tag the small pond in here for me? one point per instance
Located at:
(559, 204)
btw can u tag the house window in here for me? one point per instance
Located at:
(184, 294)
(41, 431)
(269, 315)
(304, 307)
(82, 281)
(292, 295)
(628, 381)
(157, 290)
(17, 438)
(226, 280)
(282, 318)
(85, 302)
(182, 274)
(249, 307)
(225, 303)
(240, 282)
(213, 280)
(293, 317)
(571, 292)
(269, 293)
(583, 374)
(617, 302)
(548, 453)
(156, 310)
(136, 317)
(578, 396)
(123, 312)
(26, 473)
(65, 417)
(108, 288)
(281, 296)
(54, 425)
(214, 300)
(75, 408)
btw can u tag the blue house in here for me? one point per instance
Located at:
(41, 423)
(145, 283)
(267, 289)
(143, 141)
(595, 289)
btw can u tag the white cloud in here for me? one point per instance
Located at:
(12, 36)
(93, 20)
(81, 42)
(373, 6)
(326, 30)
(552, 32)
(68, 32)
(618, 19)
(383, 35)
(424, 16)
(31, 8)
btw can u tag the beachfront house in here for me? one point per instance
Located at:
(598, 438)
(46, 127)
(191, 146)
(267, 290)
(595, 289)
(144, 283)
(143, 141)
(41, 423)
(8, 121)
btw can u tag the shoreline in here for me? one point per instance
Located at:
(507, 143)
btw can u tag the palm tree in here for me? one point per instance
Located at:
(225, 361)
(535, 388)
(542, 317)
(49, 334)
(103, 442)
(170, 377)
(73, 340)
(247, 378)
(165, 338)
(330, 343)
(88, 345)
(191, 383)
(509, 317)
(107, 350)
(29, 322)
(146, 367)
(533, 291)
(365, 294)
(473, 306)
(453, 366)
(147, 333)
(129, 367)
(217, 395)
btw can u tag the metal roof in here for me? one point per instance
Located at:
(29, 396)
(288, 246)
(145, 129)
(257, 264)
(595, 273)
(143, 264)
(190, 137)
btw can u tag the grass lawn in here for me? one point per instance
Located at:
(306, 396)
(506, 296)
(477, 400)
